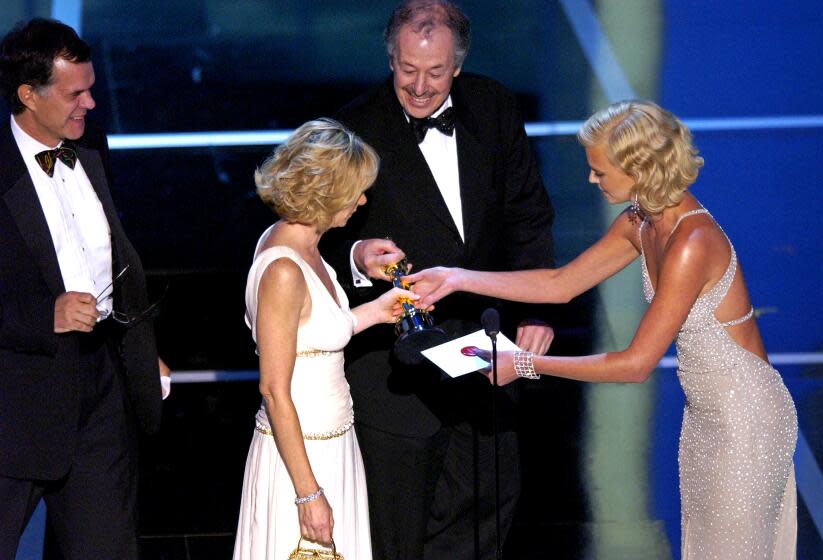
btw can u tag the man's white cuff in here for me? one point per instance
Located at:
(359, 279)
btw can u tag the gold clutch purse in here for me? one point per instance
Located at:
(301, 553)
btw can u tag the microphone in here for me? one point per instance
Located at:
(490, 319)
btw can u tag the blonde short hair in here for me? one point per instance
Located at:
(651, 145)
(321, 169)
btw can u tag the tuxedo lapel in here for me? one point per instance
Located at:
(24, 207)
(403, 157)
(93, 166)
(475, 168)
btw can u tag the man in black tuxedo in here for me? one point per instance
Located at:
(463, 191)
(78, 364)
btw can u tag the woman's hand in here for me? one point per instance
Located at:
(316, 520)
(388, 306)
(433, 284)
(534, 336)
(505, 366)
(384, 309)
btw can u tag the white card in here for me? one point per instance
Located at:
(449, 358)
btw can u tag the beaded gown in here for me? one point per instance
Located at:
(268, 527)
(737, 487)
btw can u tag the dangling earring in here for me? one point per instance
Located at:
(635, 212)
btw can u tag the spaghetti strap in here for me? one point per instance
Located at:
(739, 320)
(686, 215)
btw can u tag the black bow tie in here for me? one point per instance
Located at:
(444, 123)
(48, 158)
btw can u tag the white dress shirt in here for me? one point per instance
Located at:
(77, 223)
(440, 153)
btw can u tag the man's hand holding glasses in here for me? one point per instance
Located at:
(75, 311)
(78, 311)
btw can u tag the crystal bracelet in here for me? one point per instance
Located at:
(524, 365)
(310, 497)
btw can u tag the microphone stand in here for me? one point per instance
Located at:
(498, 551)
(490, 319)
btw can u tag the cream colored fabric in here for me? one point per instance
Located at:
(268, 526)
(739, 431)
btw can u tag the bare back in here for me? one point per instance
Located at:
(739, 424)
(733, 307)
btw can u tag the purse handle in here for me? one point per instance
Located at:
(333, 547)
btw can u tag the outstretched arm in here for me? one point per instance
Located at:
(613, 252)
(283, 300)
(684, 274)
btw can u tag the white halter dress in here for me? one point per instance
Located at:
(268, 527)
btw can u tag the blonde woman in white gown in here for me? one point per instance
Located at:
(304, 473)
(737, 488)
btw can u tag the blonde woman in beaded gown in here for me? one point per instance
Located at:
(737, 487)
(304, 473)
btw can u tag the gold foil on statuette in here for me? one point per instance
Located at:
(400, 267)
(312, 436)
(389, 269)
(397, 271)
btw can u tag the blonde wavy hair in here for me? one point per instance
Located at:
(651, 145)
(321, 169)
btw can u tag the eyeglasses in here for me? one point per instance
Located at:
(116, 281)
(125, 318)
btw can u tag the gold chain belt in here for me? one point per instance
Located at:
(312, 436)
(316, 353)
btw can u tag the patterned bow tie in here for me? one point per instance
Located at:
(444, 123)
(48, 158)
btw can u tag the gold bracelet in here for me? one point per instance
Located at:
(524, 365)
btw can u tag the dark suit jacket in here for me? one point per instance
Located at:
(507, 221)
(39, 377)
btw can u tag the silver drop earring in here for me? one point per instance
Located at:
(635, 212)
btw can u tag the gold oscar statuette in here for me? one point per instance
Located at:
(415, 327)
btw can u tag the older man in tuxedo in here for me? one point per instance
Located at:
(78, 362)
(458, 186)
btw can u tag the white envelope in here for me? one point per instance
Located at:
(449, 358)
